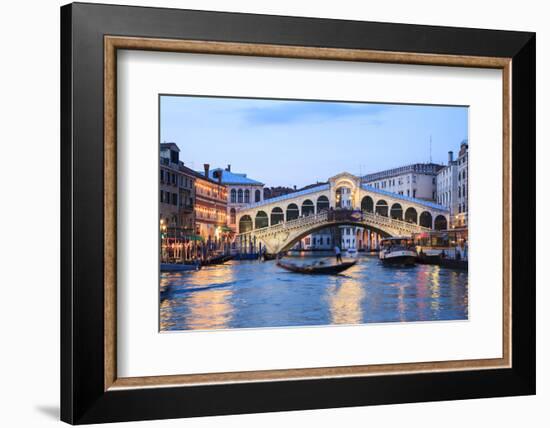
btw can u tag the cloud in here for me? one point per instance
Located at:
(301, 111)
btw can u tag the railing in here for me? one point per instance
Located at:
(359, 217)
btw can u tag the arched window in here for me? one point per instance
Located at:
(261, 220)
(343, 197)
(411, 215)
(247, 196)
(426, 219)
(292, 212)
(232, 216)
(245, 224)
(257, 196)
(367, 204)
(233, 196)
(396, 212)
(440, 223)
(308, 208)
(322, 203)
(277, 216)
(240, 196)
(382, 208)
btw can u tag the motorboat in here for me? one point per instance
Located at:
(398, 250)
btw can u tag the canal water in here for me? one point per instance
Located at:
(253, 294)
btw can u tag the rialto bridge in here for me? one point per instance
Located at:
(278, 223)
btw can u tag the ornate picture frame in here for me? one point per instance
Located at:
(91, 389)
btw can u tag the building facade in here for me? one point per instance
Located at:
(176, 206)
(447, 187)
(241, 192)
(210, 209)
(416, 181)
(177, 191)
(462, 181)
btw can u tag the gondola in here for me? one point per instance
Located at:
(317, 269)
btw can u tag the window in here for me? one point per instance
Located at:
(408, 192)
(174, 156)
(414, 193)
(247, 196)
(321, 240)
(174, 199)
(257, 196)
(233, 196)
(162, 176)
(240, 196)
(232, 215)
(328, 241)
(174, 179)
(162, 195)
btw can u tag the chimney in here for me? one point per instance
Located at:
(294, 187)
(228, 169)
(206, 170)
(450, 157)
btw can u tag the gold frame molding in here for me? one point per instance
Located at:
(113, 43)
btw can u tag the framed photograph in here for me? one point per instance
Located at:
(266, 213)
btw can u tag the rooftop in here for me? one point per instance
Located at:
(420, 168)
(229, 177)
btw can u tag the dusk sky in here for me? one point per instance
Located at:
(287, 143)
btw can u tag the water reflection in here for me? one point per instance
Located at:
(345, 300)
(253, 294)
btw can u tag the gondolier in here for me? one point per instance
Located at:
(338, 254)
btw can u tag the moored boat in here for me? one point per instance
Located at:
(397, 250)
(317, 269)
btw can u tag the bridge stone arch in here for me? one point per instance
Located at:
(382, 207)
(308, 207)
(396, 211)
(383, 232)
(245, 224)
(261, 220)
(367, 204)
(426, 219)
(323, 203)
(277, 216)
(411, 215)
(440, 222)
(292, 212)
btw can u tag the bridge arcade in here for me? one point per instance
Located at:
(384, 211)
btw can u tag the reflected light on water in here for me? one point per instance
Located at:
(345, 297)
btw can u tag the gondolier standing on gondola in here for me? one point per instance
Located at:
(338, 254)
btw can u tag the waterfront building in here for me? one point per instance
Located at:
(322, 240)
(416, 180)
(351, 237)
(241, 191)
(210, 209)
(447, 187)
(176, 204)
(462, 182)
